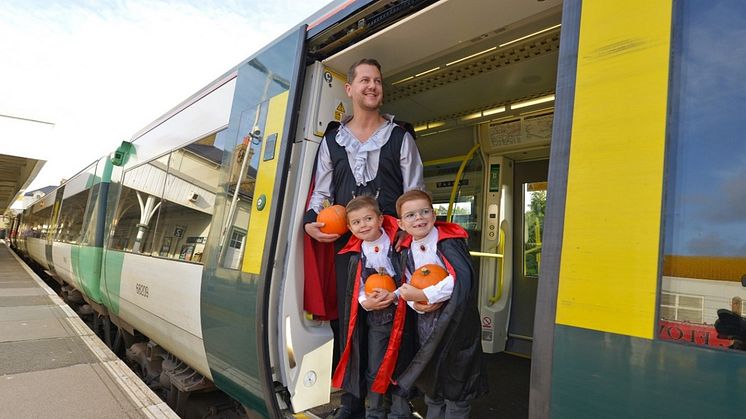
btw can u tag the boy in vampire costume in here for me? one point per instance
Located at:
(377, 328)
(448, 364)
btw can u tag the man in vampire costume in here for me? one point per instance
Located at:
(368, 153)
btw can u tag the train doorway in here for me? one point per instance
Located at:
(529, 207)
(481, 99)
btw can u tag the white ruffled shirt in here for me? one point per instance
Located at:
(363, 158)
(423, 252)
(376, 255)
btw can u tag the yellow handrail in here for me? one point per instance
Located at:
(456, 184)
(486, 255)
(500, 266)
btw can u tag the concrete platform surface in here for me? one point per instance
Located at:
(52, 365)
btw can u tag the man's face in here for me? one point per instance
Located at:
(417, 218)
(366, 91)
(365, 224)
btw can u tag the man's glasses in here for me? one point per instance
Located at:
(412, 215)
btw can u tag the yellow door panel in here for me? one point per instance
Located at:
(609, 267)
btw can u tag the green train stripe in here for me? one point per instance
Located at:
(110, 286)
(607, 375)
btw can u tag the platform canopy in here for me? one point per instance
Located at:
(23, 145)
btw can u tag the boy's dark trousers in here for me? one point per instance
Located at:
(447, 409)
(378, 340)
(438, 408)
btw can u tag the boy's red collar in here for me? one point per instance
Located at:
(390, 227)
(445, 231)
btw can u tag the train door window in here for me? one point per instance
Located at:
(137, 211)
(243, 174)
(73, 210)
(534, 204)
(704, 217)
(188, 200)
(95, 207)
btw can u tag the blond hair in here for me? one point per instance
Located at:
(363, 201)
(413, 195)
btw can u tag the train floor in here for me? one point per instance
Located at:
(52, 365)
(509, 379)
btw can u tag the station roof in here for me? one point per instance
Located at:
(23, 145)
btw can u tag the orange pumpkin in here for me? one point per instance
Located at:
(334, 218)
(427, 275)
(380, 280)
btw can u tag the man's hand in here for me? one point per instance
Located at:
(426, 308)
(410, 293)
(400, 235)
(314, 230)
(378, 299)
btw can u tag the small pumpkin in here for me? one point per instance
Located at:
(334, 218)
(427, 275)
(380, 280)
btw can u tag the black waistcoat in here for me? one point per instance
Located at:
(388, 183)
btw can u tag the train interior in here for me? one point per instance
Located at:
(476, 78)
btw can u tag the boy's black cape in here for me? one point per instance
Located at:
(448, 364)
(352, 326)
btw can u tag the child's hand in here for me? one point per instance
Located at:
(411, 293)
(426, 308)
(378, 299)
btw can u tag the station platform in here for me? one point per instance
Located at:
(52, 365)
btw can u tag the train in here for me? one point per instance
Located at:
(592, 150)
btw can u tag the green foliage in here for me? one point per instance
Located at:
(534, 230)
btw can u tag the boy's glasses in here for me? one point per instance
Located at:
(412, 215)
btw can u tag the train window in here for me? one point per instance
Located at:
(440, 178)
(535, 205)
(139, 202)
(704, 233)
(38, 224)
(71, 217)
(188, 201)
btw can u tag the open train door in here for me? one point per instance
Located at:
(245, 268)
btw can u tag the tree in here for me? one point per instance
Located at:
(534, 230)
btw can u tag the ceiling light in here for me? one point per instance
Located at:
(493, 111)
(536, 101)
(427, 71)
(438, 124)
(420, 128)
(402, 80)
(471, 116)
(531, 34)
(471, 56)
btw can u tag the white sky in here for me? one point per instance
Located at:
(102, 70)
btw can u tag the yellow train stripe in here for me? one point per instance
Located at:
(265, 183)
(609, 267)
